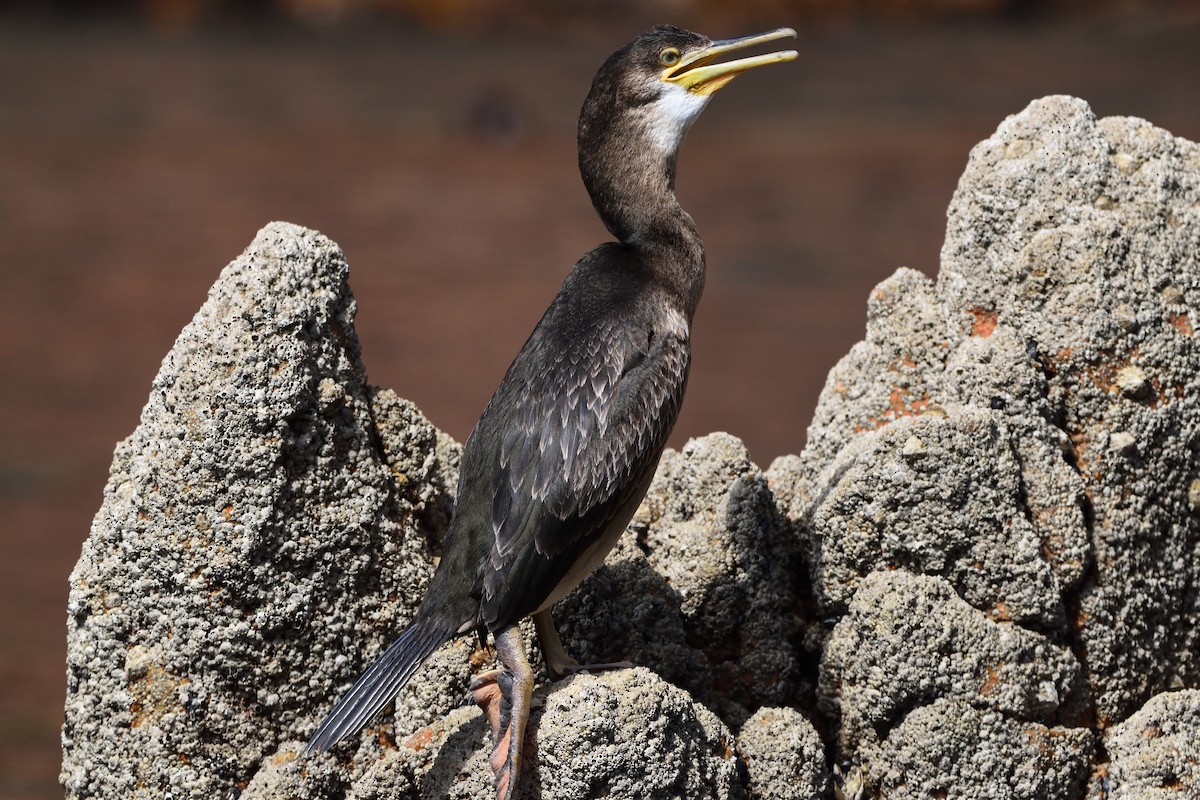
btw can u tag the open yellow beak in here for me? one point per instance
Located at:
(697, 73)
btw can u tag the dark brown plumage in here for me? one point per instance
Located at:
(565, 450)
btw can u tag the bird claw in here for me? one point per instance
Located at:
(490, 691)
(505, 696)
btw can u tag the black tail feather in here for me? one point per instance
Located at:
(379, 685)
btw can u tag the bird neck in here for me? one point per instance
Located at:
(630, 175)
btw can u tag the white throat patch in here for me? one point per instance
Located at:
(669, 117)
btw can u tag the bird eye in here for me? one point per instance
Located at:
(669, 57)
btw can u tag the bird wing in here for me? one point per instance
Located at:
(589, 420)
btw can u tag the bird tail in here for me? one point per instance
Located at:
(380, 684)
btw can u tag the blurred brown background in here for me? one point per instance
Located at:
(142, 144)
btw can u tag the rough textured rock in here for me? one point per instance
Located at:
(784, 756)
(631, 734)
(1023, 432)
(1083, 236)
(254, 548)
(984, 563)
(272, 523)
(706, 594)
(941, 493)
(954, 750)
(935, 645)
(1155, 754)
(623, 734)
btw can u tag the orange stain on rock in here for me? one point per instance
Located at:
(419, 740)
(985, 321)
(900, 404)
(990, 682)
(1001, 612)
(1182, 323)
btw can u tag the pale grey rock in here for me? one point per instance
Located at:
(883, 378)
(254, 550)
(909, 640)
(285, 775)
(621, 733)
(998, 373)
(630, 734)
(784, 756)
(1083, 237)
(996, 509)
(952, 749)
(704, 588)
(272, 524)
(941, 493)
(1024, 428)
(423, 462)
(1155, 754)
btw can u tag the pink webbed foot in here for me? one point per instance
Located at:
(505, 696)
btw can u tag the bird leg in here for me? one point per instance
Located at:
(558, 663)
(505, 694)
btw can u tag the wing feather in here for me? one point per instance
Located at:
(585, 427)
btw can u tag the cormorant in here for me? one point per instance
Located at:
(566, 448)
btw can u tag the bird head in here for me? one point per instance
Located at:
(696, 64)
(661, 81)
(642, 102)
